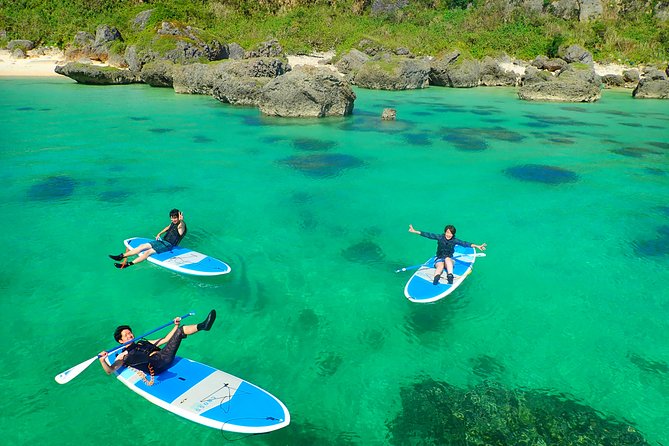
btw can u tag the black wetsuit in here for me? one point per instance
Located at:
(445, 247)
(172, 235)
(140, 357)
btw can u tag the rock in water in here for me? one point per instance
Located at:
(307, 92)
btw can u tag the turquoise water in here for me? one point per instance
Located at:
(312, 215)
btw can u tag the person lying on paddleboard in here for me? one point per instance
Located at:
(146, 356)
(175, 232)
(445, 249)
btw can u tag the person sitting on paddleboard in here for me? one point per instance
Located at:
(146, 355)
(175, 232)
(445, 249)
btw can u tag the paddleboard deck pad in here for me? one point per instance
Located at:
(208, 396)
(419, 288)
(183, 260)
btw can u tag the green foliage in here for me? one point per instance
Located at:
(554, 46)
(425, 27)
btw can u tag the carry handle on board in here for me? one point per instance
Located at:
(407, 268)
(69, 374)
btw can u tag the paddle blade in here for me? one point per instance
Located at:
(70, 374)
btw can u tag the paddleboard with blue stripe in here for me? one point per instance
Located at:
(208, 396)
(419, 288)
(183, 260)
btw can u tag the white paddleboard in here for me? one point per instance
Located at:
(183, 260)
(420, 288)
(208, 396)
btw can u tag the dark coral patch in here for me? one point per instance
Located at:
(307, 319)
(634, 152)
(575, 109)
(465, 139)
(52, 188)
(547, 120)
(312, 144)
(365, 252)
(655, 171)
(648, 365)
(328, 363)
(301, 197)
(438, 413)
(486, 366)
(114, 195)
(659, 144)
(373, 338)
(540, 173)
(160, 130)
(631, 124)
(659, 246)
(25, 108)
(139, 118)
(563, 141)
(617, 113)
(501, 134)
(417, 139)
(322, 165)
(423, 319)
(201, 139)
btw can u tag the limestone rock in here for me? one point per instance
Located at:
(393, 73)
(389, 114)
(239, 90)
(158, 73)
(458, 73)
(576, 53)
(307, 92)
(235, 51)
(560, 91)
(271, 48)
(351, 61)
(613, 80)
(24, 45)
(97, 75)
(493, 75)
(652, 89)
(141, 20)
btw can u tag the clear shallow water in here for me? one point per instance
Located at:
(312, 215)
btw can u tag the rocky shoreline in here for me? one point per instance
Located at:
(282, 85)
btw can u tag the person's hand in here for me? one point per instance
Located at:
(102, 355)
(181, 216)
(158, 237)
(412, 230)
(481, 247)
(177, 320)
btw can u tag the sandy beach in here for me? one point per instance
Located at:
(32, 66)
(43, 65)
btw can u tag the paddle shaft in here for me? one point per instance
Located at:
(112, 350)
(455, 256)
(71, 373)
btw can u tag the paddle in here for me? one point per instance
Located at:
(70, 374)
(407, 268)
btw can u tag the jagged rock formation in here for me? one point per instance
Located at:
(307, 92)
(97, 75)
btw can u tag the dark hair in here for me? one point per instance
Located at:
(174, 213)
(119, 330)
(451, 227)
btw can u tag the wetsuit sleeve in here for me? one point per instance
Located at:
(462, 242)
(430, 235)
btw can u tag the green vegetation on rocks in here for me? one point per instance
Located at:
(488, 28)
